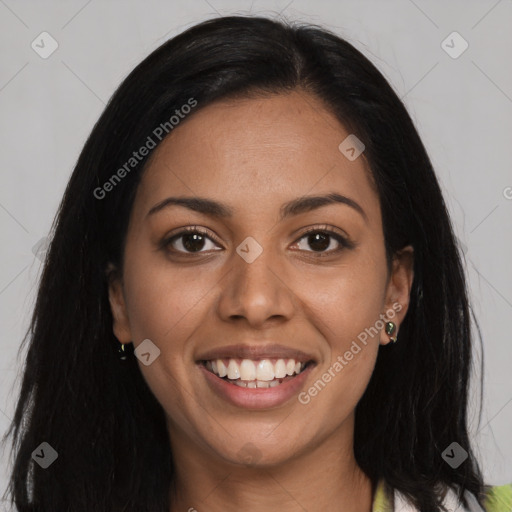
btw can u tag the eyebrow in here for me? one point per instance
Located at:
(295, 207)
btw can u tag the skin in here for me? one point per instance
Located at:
(254, 155)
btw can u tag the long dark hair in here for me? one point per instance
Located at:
(101, 418)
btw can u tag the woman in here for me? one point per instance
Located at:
(256, 229)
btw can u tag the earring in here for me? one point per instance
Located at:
(390, 329)
(124, 350)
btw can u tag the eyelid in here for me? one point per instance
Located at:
(325, 228)
(177, 233)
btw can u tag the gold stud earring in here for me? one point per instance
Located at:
(123, 350)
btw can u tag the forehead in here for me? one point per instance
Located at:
(256, 152)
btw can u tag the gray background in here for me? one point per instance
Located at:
(462, 108)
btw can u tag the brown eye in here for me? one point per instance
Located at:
(323, 242)
(189, 241)
(193, 242)
(319, 241)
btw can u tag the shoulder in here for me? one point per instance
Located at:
(495, 499)
(498, 498)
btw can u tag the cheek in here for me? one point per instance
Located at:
(345, 301)
(164, 304)
(336, 390)
(345, 305)
(346, 312)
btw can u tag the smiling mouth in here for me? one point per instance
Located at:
(256, 373)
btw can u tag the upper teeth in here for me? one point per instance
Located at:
(247, 369)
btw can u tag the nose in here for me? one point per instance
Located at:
(258, 292)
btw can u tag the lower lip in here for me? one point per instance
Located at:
(256, 398)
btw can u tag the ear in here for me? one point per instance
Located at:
(120, 324)
(398, 290)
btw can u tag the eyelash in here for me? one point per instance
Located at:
(344, 242)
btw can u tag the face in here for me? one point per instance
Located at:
(265, 268)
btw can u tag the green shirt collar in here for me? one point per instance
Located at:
(496, 498)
